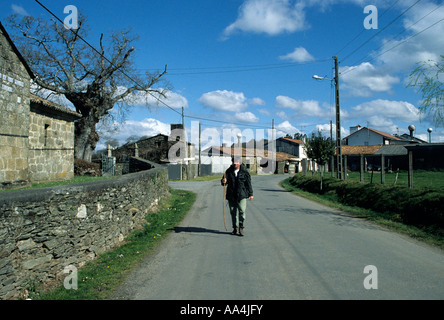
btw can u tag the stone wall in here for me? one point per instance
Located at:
(42, 231)
(14, 115)
(51, 148)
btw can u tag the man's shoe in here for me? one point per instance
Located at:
(234, 231)
(241, 232)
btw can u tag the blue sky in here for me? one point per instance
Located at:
(247, 62)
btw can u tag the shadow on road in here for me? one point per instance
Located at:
(198, 230)
(275, 190)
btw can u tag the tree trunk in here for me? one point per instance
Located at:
(86, 138)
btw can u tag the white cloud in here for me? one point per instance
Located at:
(402, 56)
(19, 10)
(141, 98)
(299, 54)
(325, 130)
(308, 108)
(147, 127)
(381, 111)
(286, 128)
(224, 100)
(246, 117)
(256, 102)
(365, 79)
(271, 17)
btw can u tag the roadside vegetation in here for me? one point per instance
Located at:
(416, 212)
(99, 278)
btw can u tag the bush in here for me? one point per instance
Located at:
(420, 207)
(85, 168)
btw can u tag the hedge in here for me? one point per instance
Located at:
(419, 207)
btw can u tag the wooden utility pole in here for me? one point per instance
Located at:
(200, 163)
(338, 121)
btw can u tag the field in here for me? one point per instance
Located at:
(421, 179)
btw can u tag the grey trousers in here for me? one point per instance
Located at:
(237, 211)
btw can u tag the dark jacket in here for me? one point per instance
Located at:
(239, 187)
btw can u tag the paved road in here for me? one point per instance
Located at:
(293, 249)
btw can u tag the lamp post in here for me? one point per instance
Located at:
(338, 118)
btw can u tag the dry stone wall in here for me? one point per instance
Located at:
(43, 231)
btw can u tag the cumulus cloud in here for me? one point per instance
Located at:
(256, 102)
(224, 100)
(401, 55)
(285, 128)
(246, 117)
(141, 98)
(365, 79)
(386, 109)
(325, 130)
(147, 127)
(19, 10)
(271, 17)
(308, 108)
(299, 54)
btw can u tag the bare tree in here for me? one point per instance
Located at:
(94, 82)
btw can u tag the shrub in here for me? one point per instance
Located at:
(85, 168)
(420, 207)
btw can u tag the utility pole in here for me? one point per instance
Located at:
(338, 122)
(200, 163)
(183, 119)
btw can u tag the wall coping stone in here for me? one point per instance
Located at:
(43, 194)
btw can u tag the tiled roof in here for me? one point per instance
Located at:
(55, 108)
(357, 150)
(228, 151)
(384, 134)
(293, 140)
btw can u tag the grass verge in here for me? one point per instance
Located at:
(429, 236)
(98, 279)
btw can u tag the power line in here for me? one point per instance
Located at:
(243, 68)
(110, 62)
(133, 80)
(400, 43)
(363, 30)
(400, 33)
(376, 34)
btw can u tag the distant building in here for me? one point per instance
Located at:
(157, 149)
(369, 137)
(256, 161)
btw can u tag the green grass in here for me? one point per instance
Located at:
(430, 235)
(421, 178)
(100, 277)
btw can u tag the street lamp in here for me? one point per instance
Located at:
(316, 77)
(338, 117)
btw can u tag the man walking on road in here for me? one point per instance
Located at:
(239, 189)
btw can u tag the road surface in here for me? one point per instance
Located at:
(293, 248)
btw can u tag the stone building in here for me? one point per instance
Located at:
(51, 141)
(36, 136)
(158, 148)
(15, 78)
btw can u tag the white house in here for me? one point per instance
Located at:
(369, 137)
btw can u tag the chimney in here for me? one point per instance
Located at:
(354, 129)
(412, 129)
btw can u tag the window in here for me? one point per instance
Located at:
(46, 134)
